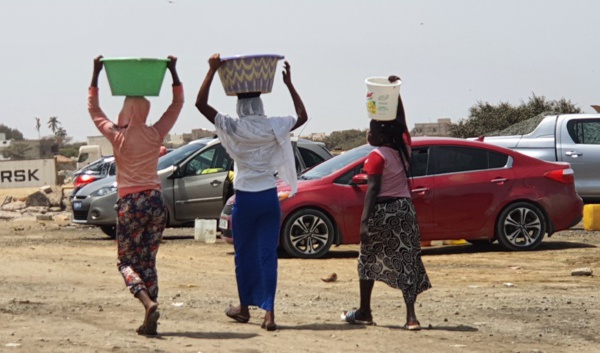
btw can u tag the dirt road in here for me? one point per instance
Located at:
(60, 292)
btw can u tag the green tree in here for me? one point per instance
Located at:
(11, 134)
(486, 119)
(53, 123)
(70, 149)
(60, 134)
(16, 151)
(345, 139)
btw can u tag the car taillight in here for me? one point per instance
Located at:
(564, 176)
(83, 180)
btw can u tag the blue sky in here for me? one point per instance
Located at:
(449, 54)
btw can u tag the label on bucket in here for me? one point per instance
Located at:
(382, 98)
(381, 106)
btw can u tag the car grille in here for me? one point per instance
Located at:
(80, 215)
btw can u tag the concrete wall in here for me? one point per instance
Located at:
(27, 173)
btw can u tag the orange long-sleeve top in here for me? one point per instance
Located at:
(136, 147)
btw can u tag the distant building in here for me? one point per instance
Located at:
(200, 133)
(441, 128)
(174, 140)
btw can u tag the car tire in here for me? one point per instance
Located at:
(307, 234)
(521, 226)
(111, 230)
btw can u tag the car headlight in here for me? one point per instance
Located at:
(105, 190)
(283, 195)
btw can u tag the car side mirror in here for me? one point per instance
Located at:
(360, 179)
(176, 173)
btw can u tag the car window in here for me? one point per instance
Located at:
(309, 157)
(94, 167)
(346, 178)
(497, 160)
(83, 157)
(336, 163)
(178, 155)
(113, 169)
(419, 161)
(212, 160)
(584, 131)
(454, 159)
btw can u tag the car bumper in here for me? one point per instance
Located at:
(98, 211)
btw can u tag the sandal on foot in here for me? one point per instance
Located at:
(150, 326)
(230, 312)
(269, 326)
(415, 326)
(350, 317)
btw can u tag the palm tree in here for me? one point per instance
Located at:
(60, 135)
(37, 126)
(53, 123)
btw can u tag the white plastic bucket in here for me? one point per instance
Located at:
(205, 230)
(382, 98)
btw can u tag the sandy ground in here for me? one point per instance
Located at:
(60, 292)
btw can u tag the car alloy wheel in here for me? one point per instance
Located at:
(307, 234)
(521, 226)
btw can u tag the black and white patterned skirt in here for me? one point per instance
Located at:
(394, 254)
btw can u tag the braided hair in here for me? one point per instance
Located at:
(391, 135)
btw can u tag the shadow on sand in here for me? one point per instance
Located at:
(464, 249)
(209, 335)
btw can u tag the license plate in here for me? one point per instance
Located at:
(223, 223)
(76, 205)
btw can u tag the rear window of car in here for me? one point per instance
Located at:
(454, 159)
(309, 157)
(584, 131)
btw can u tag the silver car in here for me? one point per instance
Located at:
(195, 183)
(572, 138)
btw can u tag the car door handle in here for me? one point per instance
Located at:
(499, 180)
(419, 190)
(573, 154)
(215, 183)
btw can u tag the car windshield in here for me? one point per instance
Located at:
(337, 162)
(178, 155)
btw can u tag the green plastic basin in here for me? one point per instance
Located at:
(135, 76)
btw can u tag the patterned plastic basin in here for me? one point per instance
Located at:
(248, 73)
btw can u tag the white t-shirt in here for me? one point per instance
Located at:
(260, 147)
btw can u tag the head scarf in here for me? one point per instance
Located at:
(250, 106)
(134, 109)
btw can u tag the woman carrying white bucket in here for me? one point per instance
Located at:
(390, 249)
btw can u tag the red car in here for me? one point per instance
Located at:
(461, 190)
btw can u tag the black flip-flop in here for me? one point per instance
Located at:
(350, 317)
(150, 326)
(236, 316)
(271, 326)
